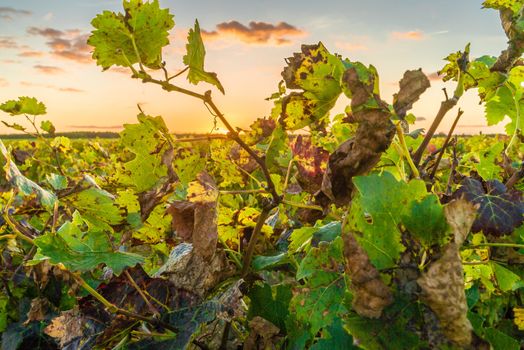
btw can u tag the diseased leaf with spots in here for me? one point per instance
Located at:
(317, 72)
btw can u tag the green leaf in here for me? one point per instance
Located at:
(270, 303)
(23, 184)
(319, 302)
(500, 341)
(506, 279)
(377, 216)
(194, 59)
(3, 312)
(144, 140)
(425, 220)
(14, 126)
(143, 25)
(317, 73)
(24, 105)
(58, 182)
(336, 338)
(487, 166)
(96, 206)
(260, 262)
(513, 5)
(48, 127)
(83, 258)
(299, 237)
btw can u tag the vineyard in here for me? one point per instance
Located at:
(306, 231)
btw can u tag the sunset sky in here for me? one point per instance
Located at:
(43, 54)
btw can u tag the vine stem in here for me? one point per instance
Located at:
(112, 308)
(502, 245)
(402, 140)
(139, 290)
(443, 149)
(301, 205)
(445, 107)
(253, 240)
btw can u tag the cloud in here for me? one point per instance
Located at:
(415, 35)
(31, 54)
(7, 42)
(49, 16)
(10, 61)
(70, 44)
(98, 127)
(3, 82)
(255, 33)
(48, 69)
(47, 86)
(348, 46)
(420, 119)
(9, 12)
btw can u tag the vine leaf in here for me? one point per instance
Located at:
(194, 59)
(370, 294)
(500, 211)
(143, 26)
(425, 220)
(377, 217)
(318, 304)
(443, 282)
(272, 308)
(144, 140)
(24, 105)
(311, 163)
(23, 184)
(82, 251)
(412, 85)
(317, 73)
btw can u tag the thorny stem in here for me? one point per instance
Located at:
(405, 151)
(443, 149)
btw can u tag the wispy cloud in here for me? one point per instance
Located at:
(9, 13)
(48, 69)
(7, 42)
(415, 35)
(49, 16)
(255, 33)
(3, 82)
(53, 87)
(70, 44)
(31, 54)
(351, 46)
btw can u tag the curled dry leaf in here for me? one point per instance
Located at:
(66, 327)
(443, 283)
(188, 270)
(360, 154)
(370, 294)
(195, 220)
(38, 311)
(412, 85)
(263, 334)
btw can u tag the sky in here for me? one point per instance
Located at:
(43, 53)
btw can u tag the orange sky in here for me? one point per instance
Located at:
(43, 54)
